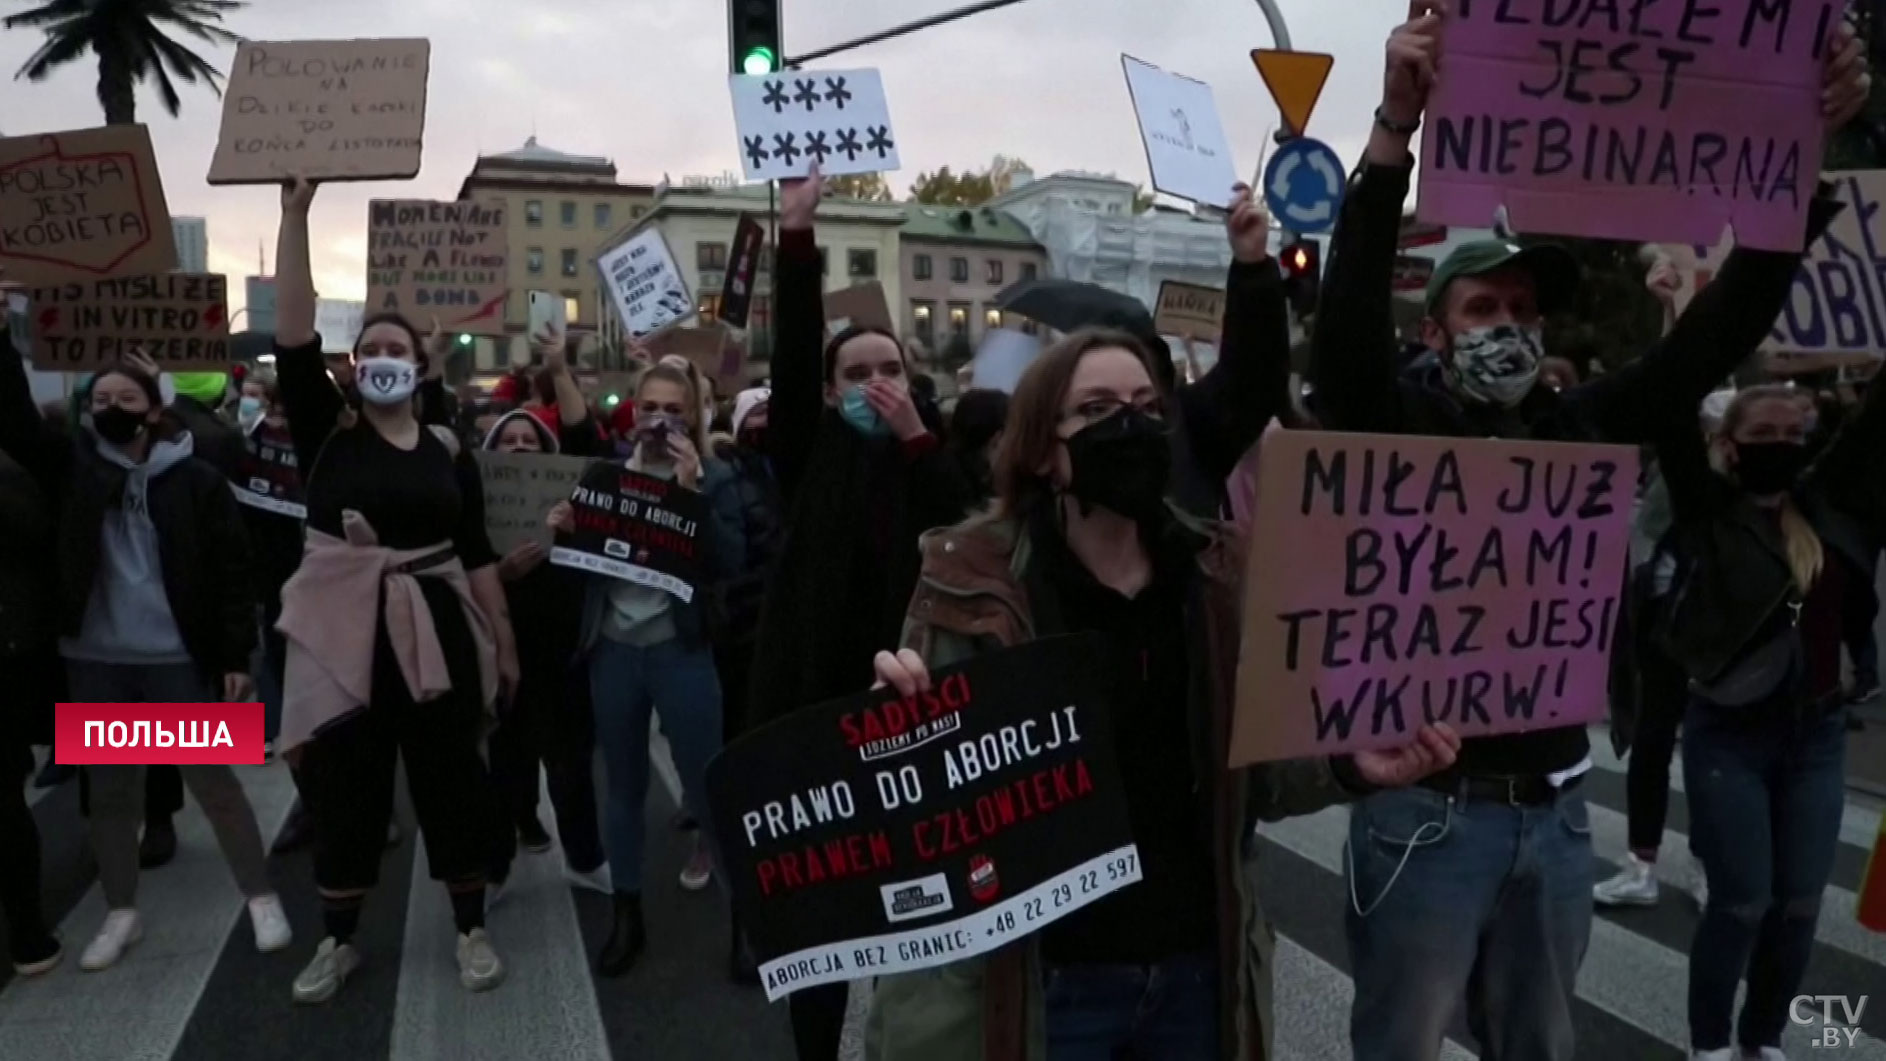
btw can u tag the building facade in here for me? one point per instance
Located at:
(192, 236)
(259, 303)
(859, 241)
(559, 210)
(953, 261)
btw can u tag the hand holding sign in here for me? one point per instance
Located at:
(1248, 225)
(297, 196)
(1433, 750)
(1845, 82)
(902, 670)
(799, 201)
(1414, 57)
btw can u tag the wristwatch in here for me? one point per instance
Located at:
(1393, 126)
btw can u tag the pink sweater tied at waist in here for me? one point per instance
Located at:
(327, 620)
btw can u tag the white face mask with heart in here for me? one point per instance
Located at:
(385, 380)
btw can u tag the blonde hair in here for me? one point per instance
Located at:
(664, 372)
(1806, 556)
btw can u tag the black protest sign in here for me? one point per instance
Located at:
(743, 265)
(636, 528)
(269, 477)
(880, 834)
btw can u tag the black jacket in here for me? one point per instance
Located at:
(217, 440)
(28, 578)
(1354, 353)
(1736, 576)
(201, 543)
(763, 525)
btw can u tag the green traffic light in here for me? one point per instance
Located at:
(759, 61)
(464, 340)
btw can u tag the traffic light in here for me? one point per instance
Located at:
(753, 31)
(464, 340)
(1302, 263)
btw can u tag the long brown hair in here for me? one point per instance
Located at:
(1805, 554)
(1034, 415)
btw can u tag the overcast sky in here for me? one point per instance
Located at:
(644, 83)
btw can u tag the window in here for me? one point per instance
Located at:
(572, 307)
(766, 259)
(709, 307)
(534, 213)
(920, 267)
(1028, 270)
(825, 262)
(992, 318)
(637, 211)
(959, 270)
(992, 271)
(1030, 327)
(569, 262)
(1113, 208)
(569, 215)
(534, 261)
(959, 316)
(922, 317)
(710, 257)
(602, 215)
(861, 263)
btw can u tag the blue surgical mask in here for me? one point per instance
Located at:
(249, 411)
(859, 414)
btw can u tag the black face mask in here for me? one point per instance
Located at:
(1122, 464)
(117, 425)
(1765, 468)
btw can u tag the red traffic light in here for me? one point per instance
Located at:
(1300, 259)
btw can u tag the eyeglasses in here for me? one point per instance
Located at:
(1096, 409)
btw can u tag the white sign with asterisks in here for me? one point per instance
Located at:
(789, 120)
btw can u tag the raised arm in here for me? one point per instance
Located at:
(1352, 353)
(309, 397)
(1226, 410)
(798, 402)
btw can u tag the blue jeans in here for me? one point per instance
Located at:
(1164, 1012)
(627, 682)
(1766, 792)
(1454, 899)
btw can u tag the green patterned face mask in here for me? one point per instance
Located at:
(1499, 363)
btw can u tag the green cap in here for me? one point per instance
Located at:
(1554, 271)
(205, 387)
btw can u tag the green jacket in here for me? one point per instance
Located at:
(971, 598)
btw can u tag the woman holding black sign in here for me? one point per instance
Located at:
(1081, 538)
(1774, 552)
(399, 640)
(648, 650)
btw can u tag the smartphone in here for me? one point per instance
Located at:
(548, 316)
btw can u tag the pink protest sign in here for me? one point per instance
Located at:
(1395, 580)
(1625, 119)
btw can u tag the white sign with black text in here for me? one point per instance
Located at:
(789, 120)
(1186, 147)
(649, 291)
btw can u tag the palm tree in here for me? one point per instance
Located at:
(130, 43)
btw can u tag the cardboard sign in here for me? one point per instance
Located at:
(439, 260)
(1630, 121)
(337, 322)
(520, 490)
(743, 265)
(82, 205)
(712, 350)
(325, 110)
(1186, 147)
(1838, 302)
(862, 305)
(180, 320)
(789, 120)
(269, 477)
(877, 835)
(649, 292)
(636, 528)
(1190, 311)
(1396, 580)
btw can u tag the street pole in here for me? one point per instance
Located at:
(1280, 35)
(906, 28)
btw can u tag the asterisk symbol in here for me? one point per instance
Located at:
(836, 92)
(775, 96)
(816, 146)
(848, 143)
(756, 152)
(784, 150)
(808, 94)
(880, 140)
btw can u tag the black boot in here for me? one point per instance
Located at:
(627, 937)
(159, 845)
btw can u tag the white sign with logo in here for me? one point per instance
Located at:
(1186, 147)
(642, 279)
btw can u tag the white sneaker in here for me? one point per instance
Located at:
(270, 923)
(478, 966)
(596, 880)
(322, 979)
(1635, 885)
(121, 929)
(699, 870)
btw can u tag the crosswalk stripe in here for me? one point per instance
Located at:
(545, 1007)
(137, 1010)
